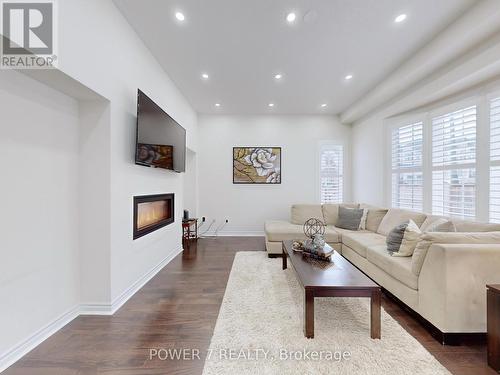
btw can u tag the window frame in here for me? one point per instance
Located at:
(486, 197)
(412, 169)
(345, 169)
(390, 125)
(425, 116)
(442, 111)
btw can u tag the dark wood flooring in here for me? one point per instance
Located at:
(178, 308)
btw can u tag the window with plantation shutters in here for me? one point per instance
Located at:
(454, 164)
(406, 155)
(495, 160)
(331, 173)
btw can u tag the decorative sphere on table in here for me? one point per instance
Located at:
(314, 226)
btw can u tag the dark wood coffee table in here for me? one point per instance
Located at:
(340, 280)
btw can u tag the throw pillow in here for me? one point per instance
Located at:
(374, 218)
(402, 240)
(331, 211)
(362, 222)
(441, 225)
(350, 218)
(396, 216)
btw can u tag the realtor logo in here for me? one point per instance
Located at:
(28, 30)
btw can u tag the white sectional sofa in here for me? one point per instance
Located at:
(445, 279)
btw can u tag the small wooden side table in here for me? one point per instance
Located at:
(493, 298)
(189, 230)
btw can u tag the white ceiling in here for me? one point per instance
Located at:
(242, 44)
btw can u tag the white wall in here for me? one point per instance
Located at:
(101, 52)
(94, 203)
(248, 206)
(39, 278)
(109, 58)
(367, 160)
(191, 183)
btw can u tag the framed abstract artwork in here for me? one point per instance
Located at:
(257, 165)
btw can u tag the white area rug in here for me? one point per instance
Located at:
(260, 322)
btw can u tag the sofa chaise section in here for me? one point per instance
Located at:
(278, 231)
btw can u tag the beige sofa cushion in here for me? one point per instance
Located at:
(277, 231)
(282, 230)
(341, 232)
(396, 216)
(332, 235)
(406, 294)
(397, 267)
(360, 240)
(374, 216)
(300, 213)
(441, 225)
(331, 212)
(474, 226)
(429, 238)
(430, 220)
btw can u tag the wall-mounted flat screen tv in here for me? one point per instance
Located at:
(161, 141)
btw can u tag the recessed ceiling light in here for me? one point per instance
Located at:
(180, 16)
(291, 17)
(400, 18)
(217, 104)
(204, 76)
(278, 76)
(271, 105)
(323, 105)
(348, 77)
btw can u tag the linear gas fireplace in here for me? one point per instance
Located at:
(152, 212)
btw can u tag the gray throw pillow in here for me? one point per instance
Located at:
(349, 218)
(402, 240)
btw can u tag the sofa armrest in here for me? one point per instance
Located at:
(452, 285)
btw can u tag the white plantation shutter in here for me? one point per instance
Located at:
(454, 164)
(331, 173)
(495, 160)
(406, 156)
(454, 193)
(495, 194)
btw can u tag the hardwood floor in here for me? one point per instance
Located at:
(178, 308)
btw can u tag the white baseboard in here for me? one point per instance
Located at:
(246, 233)
(96, 309)
(8, 358)
(110, 309)
(134, 288)
(13, 355)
